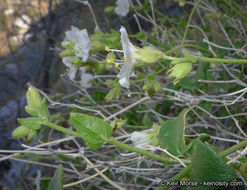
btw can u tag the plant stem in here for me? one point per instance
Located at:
(142, 152)
(189, 20)
(232, 149)
(61, 129)
(206, 59)
(117, 143)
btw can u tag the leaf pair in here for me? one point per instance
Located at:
(206, 165)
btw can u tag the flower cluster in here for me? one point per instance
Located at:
(77, 46)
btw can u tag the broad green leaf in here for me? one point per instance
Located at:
(31, 122)
(93, 130)
(188, 83)
(31, 111)
(207, 166)
(171, 135)
(56, 181)
(43, 110)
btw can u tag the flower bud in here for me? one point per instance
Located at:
(179, 71)
(31, 135)
(181, 3)
(67, 53)
(20, 132)
(97, 46)
(149, 55)
(110, 57)
(67, 44)
(148, 89)
(76, 60)
(157, 87)
(109, 9)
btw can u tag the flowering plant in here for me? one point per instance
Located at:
(150, 93)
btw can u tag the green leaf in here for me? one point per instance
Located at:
(31, 111)
(93, 130)
(207, 166)
(31, 122)
(56, 181)
(188, 83)
(190, 57)
(43, 110)
(171, 135)
(206, 105)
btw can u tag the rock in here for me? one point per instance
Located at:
(23, 22)
(9, 11)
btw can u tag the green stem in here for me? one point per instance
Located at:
(115, 142)
(189, 20)
(206, 59)
(61, 129)
(142, 152)
(232, 149)
(222, 154)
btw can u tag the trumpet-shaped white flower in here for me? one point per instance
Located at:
(122, 8)
(82, 43)
(85, 78)
(142, 138)
(72, 67)
(130, 57)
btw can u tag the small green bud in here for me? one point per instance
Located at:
(109, 9)
(76, 60)
(213, 65)
(181, 3)
(157, 87)
(97, 46)
(179, 71)
(20, 132)
(97, 36)
(67, 44)
(149, 55)
(148, 88)
(33, 101)
(31, 135)
(67, 53)
(111, 57)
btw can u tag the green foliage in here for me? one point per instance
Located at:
(171, 135)
(207, 166)
(93, 130)
(33, 123)
(43, 110)
(56, 181)
(188, 83)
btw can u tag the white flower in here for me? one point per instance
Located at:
(85, 78)
(81, 40)
(72, 34)
(142, 138)
(122, 8)
(130, 59)
(72, 68)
